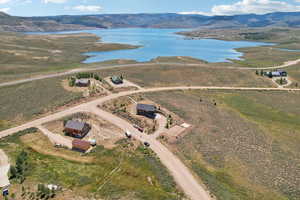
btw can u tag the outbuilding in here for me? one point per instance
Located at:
(82, 82)
(146, 110)
(80, 145)
(76, 128)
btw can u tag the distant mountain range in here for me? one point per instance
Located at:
(167, 20)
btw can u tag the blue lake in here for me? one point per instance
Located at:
(164, 42)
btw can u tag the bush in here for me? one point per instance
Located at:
(72, 82)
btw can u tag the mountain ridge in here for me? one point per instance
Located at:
(145, 20)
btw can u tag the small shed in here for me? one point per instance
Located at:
(146, 110)
(76, 128)
(80, 145)
(116, 80)
(82, 82)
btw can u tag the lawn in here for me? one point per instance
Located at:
(244, 147)
(119, 173)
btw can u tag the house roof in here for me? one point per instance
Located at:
(276, 73)
(82, 81)
(146, 107)
(116, 78)
(76, 125)
(81, 144)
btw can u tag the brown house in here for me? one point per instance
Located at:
(80, 145)
(76, 129)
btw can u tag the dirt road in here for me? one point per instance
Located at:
(286, 64)
(84, 106)
(55, 138)
(178, 170)
(4, 168)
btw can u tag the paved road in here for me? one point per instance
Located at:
(181, 174)
(286, 64)
(4, 168)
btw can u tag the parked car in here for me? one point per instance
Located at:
(138, 128)
(147, 144)
(58, 145)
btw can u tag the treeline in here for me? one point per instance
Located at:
(18, 171)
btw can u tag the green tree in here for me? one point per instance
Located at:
(12, 172)
(261, 72)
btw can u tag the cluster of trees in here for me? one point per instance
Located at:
(261, 72)
(88, 75)
(42, 193)
(19, 170)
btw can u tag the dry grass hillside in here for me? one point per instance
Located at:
(244, 147)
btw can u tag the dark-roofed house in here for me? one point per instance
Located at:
(279, 73)
(82, 82)
(116, 80)
(76, 128)
(146, 110)
(80, 145)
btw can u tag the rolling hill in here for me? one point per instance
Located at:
(165, 20)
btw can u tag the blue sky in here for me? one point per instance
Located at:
(207, 7)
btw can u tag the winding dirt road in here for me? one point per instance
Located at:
(286, 64)
(180, 172)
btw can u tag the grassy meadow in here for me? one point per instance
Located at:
(125, 172)
(26, 55)
(26, 101)
(158, 75)
(244, 147)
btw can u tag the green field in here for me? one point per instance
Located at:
(120, 173)
(245, 147)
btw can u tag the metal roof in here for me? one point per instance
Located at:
(81, 144)
(76, 125)
(82, 81)
(116, 78)
(146, 107)
(276, 73)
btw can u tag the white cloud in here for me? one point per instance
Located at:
(253, 6)
(54, 1)
(4, 1)
(83, 8)
(4, 10)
